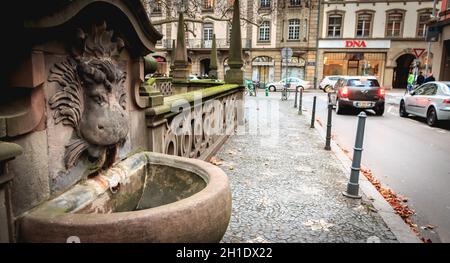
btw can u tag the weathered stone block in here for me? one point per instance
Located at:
(31, 183)
(31, 73)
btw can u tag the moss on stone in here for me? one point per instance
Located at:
(171, 101)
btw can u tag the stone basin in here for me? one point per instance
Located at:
(148, 197)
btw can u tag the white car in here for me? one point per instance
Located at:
(328, 83)
(430, 100)
(294, 82)
(193, 77)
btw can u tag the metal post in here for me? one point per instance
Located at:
(313, 115)
(295, 100)
(353, 184)
(328, 139)
(300, 110)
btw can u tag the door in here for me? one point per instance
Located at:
(425, 99)
(412, 102)
(352, 67)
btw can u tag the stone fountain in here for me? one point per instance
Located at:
(101, 160)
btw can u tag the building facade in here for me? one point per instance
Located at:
(374, 37)
(267, 27)
(440, 31)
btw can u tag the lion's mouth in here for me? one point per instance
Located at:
(99, 157)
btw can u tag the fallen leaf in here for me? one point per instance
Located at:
(216, 161)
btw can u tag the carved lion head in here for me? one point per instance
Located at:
(91, 96)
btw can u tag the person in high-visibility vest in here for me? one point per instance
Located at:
(411, 80)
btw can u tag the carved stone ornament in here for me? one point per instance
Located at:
(91, 96)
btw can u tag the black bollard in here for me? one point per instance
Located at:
(353, 183)
(328, 139)
(313, 115)
(300, 102)
(295, 100)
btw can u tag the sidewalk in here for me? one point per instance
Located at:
(289, 189)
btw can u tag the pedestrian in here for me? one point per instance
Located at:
(429, 78)
(420, 79)
(410, 81)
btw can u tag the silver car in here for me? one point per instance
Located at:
(430, 100)
(294, 82)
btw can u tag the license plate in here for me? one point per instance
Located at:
(363, 104)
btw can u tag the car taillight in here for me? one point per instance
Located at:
(343, 93)
(381, 92)
(446, 101)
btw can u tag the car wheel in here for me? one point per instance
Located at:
(402, 110)
(327, 89)
(432, 117)
(272, 88)
(339, 109)
(379, 111)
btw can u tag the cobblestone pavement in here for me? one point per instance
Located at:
(286, 188)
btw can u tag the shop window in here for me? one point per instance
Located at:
(394, 24)
(334, 25)
(364, 24)
(354, 64)
(294, 29)
(264, 31)
(422, 19)
(293, 68)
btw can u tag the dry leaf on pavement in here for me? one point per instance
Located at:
(216, 161)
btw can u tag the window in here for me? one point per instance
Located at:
(394, 24)
(264, 31)
(294, 29)
(422, 20)
(295, 2)
(160, 30)
(363, 83)
(264, 3)
(208, 4)
(208, 31)
(156, 6)
(364, 24)
(334, 25)
(430, 90)
(229, 33)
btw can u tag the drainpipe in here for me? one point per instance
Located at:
(319, 17)
(8, 151)
(427, 66)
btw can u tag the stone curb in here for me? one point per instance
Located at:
(399, 228)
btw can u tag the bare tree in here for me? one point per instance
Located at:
(201, 11)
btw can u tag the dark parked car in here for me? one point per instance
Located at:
(358, 92)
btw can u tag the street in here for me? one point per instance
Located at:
(405, 154)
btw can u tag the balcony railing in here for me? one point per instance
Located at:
(206, 44)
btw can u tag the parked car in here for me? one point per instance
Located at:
(328, 83)
(294, 82)
(362, 92)
(193, 77)
(430, 100)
